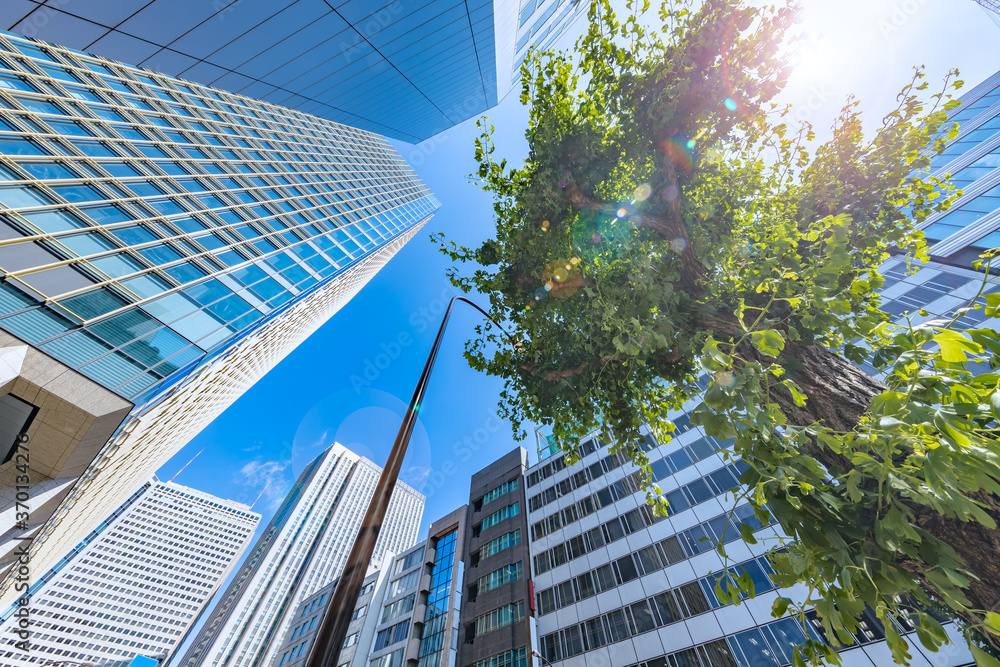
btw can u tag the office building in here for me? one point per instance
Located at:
(498, 608)
(136, 585)
(407, 612)
(616, 584)
(407, 69)
(162, 246)
(303, 549)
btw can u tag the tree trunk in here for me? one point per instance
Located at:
(839, 393)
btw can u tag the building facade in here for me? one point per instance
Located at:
(408, 610)
(137, 585)
(303, 549)
(407, 69)
(162, 246)
(616, 584)
(498, 608)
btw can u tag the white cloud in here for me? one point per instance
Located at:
(267, 476)
(416, 476)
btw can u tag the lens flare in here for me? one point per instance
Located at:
(730, 104)
(725, 379)
(564, 278)
(545, 225)
(642, 192)
(540, 294)
(670, 193)
(596, 238)
(678, 152)
(678, 245)
(621, 213)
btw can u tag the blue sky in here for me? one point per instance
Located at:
(351, 380)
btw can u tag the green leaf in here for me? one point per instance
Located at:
(780, 606)
(992, 622)
(768, 342)
(798, 396)
(983, 659)
(954, 346)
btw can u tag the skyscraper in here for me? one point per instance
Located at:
(407, 69)
(135, 586)
(163, 245)
(407, 612)
(302, 550)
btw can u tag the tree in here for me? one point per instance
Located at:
(669, 224)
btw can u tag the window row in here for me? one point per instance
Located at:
(389, 636)
(497, 578)
(317, 602)
(496, 619)
(409, 561)
(514, 658)
(496, 545)
(398, 608)
(647, 560)
(500, 515)
(492, 495)
(693, 493)
(404, 583)
(767, 646)
(296, 652)
(647, 615)
(684, 457)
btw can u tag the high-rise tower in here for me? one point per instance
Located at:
(162, 246)
(135, 586)
(407, 69)
(302, 550)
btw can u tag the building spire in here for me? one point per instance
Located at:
(185, 466)
(261, 493)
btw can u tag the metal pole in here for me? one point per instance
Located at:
(332, 632)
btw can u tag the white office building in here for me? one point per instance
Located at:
(616, 585)
(303, 549)
(136, 584)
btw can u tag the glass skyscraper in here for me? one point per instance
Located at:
(407, 69)
(303, 549)
(163, 245)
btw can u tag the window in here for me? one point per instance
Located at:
(352, 639)
(394, 659)
(499, 618)
(410, 561)
(504, 575)
(497, 545)
(359, 612)
(391, 635)
(500, 515)
(404, 583)
(585, 587)
(398, 608)
(515, 658)
(504, 488)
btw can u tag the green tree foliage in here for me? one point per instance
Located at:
(669, 224)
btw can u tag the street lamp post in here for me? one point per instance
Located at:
(541, 657)
(333, 628)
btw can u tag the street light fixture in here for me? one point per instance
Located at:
(540, 657)
(332, 631)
